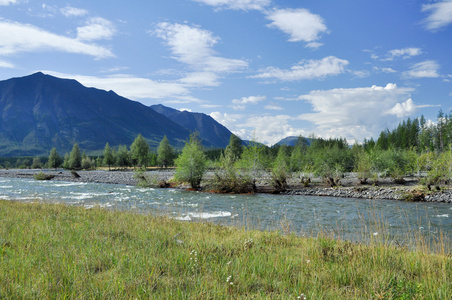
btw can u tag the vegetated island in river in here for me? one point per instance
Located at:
(410, 190)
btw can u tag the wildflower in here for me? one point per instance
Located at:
(302, 297)
(247, 244)
(228, 280)
(375, 233)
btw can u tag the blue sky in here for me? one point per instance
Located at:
(262, 68)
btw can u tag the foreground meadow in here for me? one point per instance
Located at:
(58, 251)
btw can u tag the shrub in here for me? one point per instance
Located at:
(191, 164)
(43, 176)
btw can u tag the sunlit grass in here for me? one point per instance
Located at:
(58, 251)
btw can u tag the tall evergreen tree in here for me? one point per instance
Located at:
(75, 158)
(54, 159)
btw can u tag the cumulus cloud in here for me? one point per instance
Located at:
(265, 128)
(300, 24)
(70, 11)
(440, 14)
(357, 113)
(96, 29)
(237, 4)
(17, 37)
(310, 69)
(404, 53)
(249, 100)
(403, 109)
(270, 129)
(425, 69)
(228, 120)
(193, 46)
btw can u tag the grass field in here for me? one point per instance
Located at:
(66, 252)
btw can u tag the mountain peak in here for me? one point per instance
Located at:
(210, 131)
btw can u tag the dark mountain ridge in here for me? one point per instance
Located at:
(210, 131)
(38, 112)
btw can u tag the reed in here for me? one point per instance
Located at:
(59, 251)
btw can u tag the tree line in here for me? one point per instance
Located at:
(413, 147)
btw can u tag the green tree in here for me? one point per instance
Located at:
(253, 160)
(108, 156)
(123, 156)
(191, 164)
(87, 163)
(234, 149)
(37, 164)
(280, 170)
(54, 159)
(75, 158)
(140, 151)
(165, 153)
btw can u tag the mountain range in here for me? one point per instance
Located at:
(39, 112)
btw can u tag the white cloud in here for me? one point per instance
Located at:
(96, 29)
(239, 107)
(249, 100)
(269, 129)
(440, 14)
(404, 53)
(273, 107)
(299, 24)
(5, 64)
(7, 2)
(357, 113)
(425, 69)
(134, 87)
(310, 69)
(403, 109)
(227, 120)
(265, 129)
(70, 11)
(193, 46)
(237, 4)
(385, 70)
(196, 79)
(17, 37)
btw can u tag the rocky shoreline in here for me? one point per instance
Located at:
(386, 192)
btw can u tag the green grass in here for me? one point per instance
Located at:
(66, 252)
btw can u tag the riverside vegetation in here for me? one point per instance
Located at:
(414, 148)
(77, 253)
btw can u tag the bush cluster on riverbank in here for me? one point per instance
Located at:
(56, 251)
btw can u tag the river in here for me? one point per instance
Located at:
(346, 218)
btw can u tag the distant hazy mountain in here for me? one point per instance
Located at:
(210, 131)
(38, 112)
(291, 141)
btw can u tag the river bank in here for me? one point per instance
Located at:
(349, 189)
(57, 251)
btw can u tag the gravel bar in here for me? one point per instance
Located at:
(126, 178)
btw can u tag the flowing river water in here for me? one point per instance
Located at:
(345, 218)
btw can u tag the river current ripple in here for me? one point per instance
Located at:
(346, 218)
